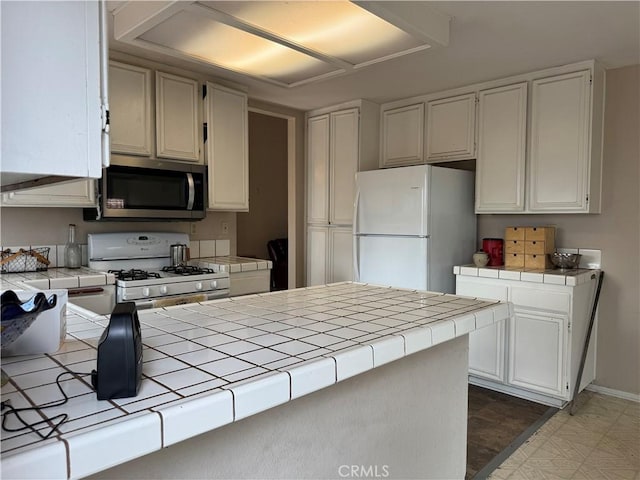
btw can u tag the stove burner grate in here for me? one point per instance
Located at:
(134, 274)
(187, 270)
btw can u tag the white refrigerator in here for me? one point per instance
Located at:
(412, 225)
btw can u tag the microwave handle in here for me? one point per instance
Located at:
(192, 191)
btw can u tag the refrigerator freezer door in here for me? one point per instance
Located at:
(393, 261)
(392, 201)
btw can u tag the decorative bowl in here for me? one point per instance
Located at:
(565, 261)
(17, 315)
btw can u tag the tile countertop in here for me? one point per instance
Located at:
(56, 278)
(212, 363)
(232, 264)
(570, 278)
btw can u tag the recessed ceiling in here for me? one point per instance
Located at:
(286, 43)
(488, 40)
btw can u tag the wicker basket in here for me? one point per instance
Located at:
(32, 260)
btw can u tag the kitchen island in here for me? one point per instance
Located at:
(309, 383)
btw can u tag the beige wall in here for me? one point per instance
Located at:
(267, 216)
(616, 232)
(48, 226)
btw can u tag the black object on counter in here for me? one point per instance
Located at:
(119, 363)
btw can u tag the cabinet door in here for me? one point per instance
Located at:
(227, 148)
(317, 247)
(177, 125)
(318, 169)
(130, 109)
(340, 255)
(559, 148)
(51, 107)
(402, 136)
(537, 349)
(451, 128)
(487, 350)
(343, 165)
(500, 166)
(77, 193)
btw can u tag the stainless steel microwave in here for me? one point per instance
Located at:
(133, 188)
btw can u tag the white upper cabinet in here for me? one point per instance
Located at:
(76, 193)
(402, 134)
(343, 165)
(339, 144)
(500, 164)
(451, 128)
(130, 109)
(227, 148)
(318, 169)
(177, 118)
(52, 112)
(562, 161)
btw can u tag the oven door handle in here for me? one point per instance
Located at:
(84, 291)
(192, 191)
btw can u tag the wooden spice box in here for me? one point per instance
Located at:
(528, 247)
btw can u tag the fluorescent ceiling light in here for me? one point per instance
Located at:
(286, 43)
(337, 29)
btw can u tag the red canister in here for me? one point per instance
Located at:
(493, 247)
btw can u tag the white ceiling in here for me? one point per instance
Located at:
(488, 40)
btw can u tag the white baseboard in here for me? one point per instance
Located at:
(614, 393)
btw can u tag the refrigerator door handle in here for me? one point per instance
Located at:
(356, 252)
(356, 258)
(356, 204)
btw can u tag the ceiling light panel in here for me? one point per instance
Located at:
(207, 39)
(337, 29)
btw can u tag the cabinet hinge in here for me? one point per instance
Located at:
(105, 119)
(204, 132)
(567, 387)
(204, 92)
(587, 198)
(569, 326)
(590, 78)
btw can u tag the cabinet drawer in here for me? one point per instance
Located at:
(514, 246)
(515, 260)
(537, 262)
(514, 233)
(545, 234)
(541, 299)
(535, 247)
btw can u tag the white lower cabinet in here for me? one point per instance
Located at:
(329, 255)
(77, 193)
(536, 353)
(537, 350)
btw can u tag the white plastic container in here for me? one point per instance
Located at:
(48, 330)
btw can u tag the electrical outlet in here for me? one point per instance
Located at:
(193, 228)
(225, 227)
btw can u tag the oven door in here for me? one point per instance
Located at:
(180, 299)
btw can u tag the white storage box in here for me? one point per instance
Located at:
(48, 330)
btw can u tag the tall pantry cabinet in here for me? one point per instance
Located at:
(341, 141)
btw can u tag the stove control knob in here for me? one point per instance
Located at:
(145, 292)
(214, 284)
(164, 290)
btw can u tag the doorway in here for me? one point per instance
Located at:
(271, 164)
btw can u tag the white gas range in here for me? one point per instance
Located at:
(141, 263)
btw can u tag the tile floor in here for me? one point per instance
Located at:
(601, 441)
